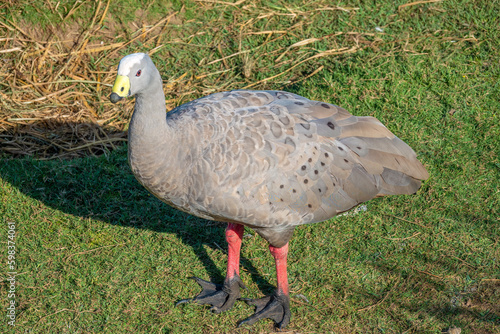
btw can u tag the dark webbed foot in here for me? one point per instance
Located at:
(221, 296)
(275, 307)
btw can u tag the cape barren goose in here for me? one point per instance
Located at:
(268, 160)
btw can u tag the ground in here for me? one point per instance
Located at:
(94, 252)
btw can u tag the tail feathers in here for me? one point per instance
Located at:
(392, 182)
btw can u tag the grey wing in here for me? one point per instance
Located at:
(275, 159)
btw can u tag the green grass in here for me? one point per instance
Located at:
(97, 254)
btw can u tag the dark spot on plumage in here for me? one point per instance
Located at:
(326, 155)
(316, 171)
(304, 167)
(346, 160)
(282, 186)
(306, 126)
(310, 160)
(319, 189)
(306, 180)
(322, 163)
(340, 148)
(281, 199)
(309, 205)
(333, 184)
(324, 105)
(294, 191)
(359, 148)
(285, 120)
(331, 125)
(299, 103)
(270, 203)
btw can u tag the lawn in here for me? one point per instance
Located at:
(96, 253)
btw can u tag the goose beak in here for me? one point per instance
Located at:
(121, 88)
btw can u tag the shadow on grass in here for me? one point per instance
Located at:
(477, 303)
(105, 189)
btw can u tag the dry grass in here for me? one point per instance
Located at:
(56, 79)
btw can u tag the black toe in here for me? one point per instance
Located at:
(275, 307)
(220, 296)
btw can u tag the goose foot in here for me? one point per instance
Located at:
(220, 296)
(275, 307)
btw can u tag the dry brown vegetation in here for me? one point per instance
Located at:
(56, 105)
(56, 78)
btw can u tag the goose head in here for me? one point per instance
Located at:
(136, 74)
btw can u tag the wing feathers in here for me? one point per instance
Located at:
(269, 158)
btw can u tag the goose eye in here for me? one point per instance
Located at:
(138, 74)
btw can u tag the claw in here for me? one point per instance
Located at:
(220, 296)
(275, 307)
(183, 301)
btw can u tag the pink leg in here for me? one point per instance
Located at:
(234, 234)
(223, 296)
(279, 255)
(276, 306)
